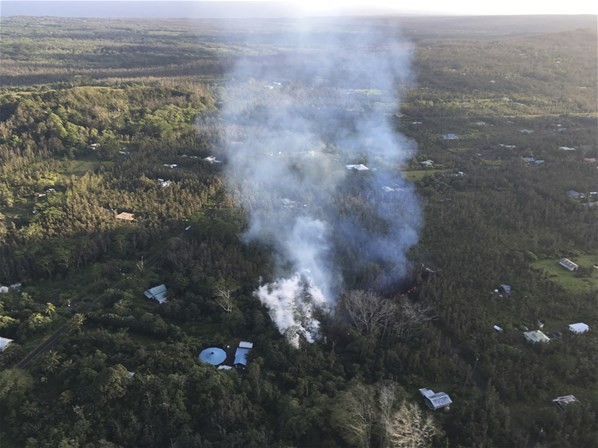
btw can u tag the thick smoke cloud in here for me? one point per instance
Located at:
(294, 120)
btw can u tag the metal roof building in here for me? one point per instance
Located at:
(435, 400)
(564, 401)
(157, 293)
(4, 342)
(535, 336)
(568, 264)
(359, 167)
(242, 352)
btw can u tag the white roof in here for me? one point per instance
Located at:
(426, 392)
(245, 344)
(566, 399)
(360, 167)
(3, 288)
(536, 336)
(4, 342)
(579, 327)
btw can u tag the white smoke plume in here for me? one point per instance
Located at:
(294, 118)
(292, 303)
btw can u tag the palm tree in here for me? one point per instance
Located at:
(50, 309)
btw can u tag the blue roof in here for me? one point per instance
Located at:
(158, 293)
(506, 288)
(450, 136)
(241, 356)
(213, 355)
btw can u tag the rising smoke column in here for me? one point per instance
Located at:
(294, 120)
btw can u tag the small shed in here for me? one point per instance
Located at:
(568, 264)
(436, 400)
(3, 289)
(125, 216)
(505, 289)
(4, 342)
(450, 137)
(535, 336)
(242, 352)
(579, 328)
(157, 293)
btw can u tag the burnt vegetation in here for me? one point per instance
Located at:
(93, 113)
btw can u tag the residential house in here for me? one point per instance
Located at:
(157, 293)
(535, 336)
(436, 400)
(242, 352)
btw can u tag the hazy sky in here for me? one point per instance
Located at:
(251, 8)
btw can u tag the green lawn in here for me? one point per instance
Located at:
(568, 280)
(78, 167)
(416, 175)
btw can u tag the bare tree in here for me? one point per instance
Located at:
(409, 428)
(368, 416)
(387, 398)
(410, 317)
(369, 312)
(224, 298)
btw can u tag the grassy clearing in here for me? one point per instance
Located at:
(569, 280)
(417, 175)
(80, 167)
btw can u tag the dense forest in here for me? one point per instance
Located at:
(104, 117)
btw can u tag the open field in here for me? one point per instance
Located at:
(572, 281)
